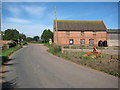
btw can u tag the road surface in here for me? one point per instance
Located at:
(34, 67)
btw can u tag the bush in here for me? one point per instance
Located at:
(25, 43)
(66, 46)
(12, 44)
(55, 49)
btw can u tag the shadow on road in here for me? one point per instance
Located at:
(9, 85)
(4, 71)
(8, 64)
(5, 59)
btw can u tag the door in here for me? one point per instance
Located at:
(91, 42)
(82, 41)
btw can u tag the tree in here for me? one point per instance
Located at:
(46, 35)
(22, 36)
(28, 39)
(36, 38)
(11, 34)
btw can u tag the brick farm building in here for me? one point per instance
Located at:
(86, 33)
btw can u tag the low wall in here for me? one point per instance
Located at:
(5, 42)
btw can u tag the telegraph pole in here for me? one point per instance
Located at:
(56, 25)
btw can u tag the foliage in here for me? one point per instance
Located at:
(22, 36)
(12, 44)
(36, 38)
(11, 34)
(29, 39)
(54, 49)
(25, 43)
(103, 63)
(46, 35)
(8, 51)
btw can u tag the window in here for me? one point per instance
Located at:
(91, 42)
(82, 32)
(94, 33)
(67, 33)
(82, 41)
(71, 41)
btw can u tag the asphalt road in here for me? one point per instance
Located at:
(34, 67)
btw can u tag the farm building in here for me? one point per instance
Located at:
(79, 32)
(113, 37)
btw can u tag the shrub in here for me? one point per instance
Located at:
(66, 46)
(55, 49)
(25, 43)
(12, 44)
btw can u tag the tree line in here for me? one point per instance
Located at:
(15, 35)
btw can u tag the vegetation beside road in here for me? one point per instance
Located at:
(104, 62)
(8, 52)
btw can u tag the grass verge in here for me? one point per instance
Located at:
(6, 53)
(102, 63)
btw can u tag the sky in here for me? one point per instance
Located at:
(31, 18)
(60, 0)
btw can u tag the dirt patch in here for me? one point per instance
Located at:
(103, 62)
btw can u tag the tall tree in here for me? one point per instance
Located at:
(36, 38)
(22, 36)
(11, 34)
(46, 35)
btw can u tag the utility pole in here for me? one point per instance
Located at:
(56, 25)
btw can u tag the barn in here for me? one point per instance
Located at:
(87, 33)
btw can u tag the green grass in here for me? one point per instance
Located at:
(6, 53)
(100, 63)
(9, 51)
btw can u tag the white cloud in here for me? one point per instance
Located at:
(35, 10)
(17, 20)
(28, 30)
(15, 11)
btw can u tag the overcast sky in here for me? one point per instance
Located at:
(31, 18)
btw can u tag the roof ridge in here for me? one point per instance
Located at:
(76, 21)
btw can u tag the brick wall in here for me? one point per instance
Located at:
(76, 35)
(5, 42)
